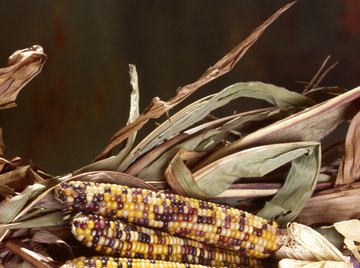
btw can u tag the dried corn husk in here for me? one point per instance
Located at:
(301, 242)
(351, 231)
(290, 263)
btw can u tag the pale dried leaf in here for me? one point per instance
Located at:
(301, 242)
(349, 229)
(44, 236)
(299, 186)
(349, 170)
(27, 254)
(350, 244)
(312, 124)
(255, 162)
(291, 263)
(223, 66)
(50, 219)
(198, 110)
(24, 65)
(339, 203)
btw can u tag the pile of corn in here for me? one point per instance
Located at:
(154, 229)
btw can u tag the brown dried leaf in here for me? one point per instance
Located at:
(28, 255)
(334, 205)
(349, 170)
(312, 124)
(158, 107)
(24, 65)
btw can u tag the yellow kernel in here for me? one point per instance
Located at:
(79, 231)
(138, 214)
(107, 197)
(98, 263)
(89, 238)
(118, 213)
(80, 264)
(139, 198)
(108, 251)
(113, 205)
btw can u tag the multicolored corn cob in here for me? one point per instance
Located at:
(111, 262)
(120, 239)
(207, 222)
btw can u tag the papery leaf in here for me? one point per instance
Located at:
(163, 148)
(115, 161)
(299, 186)
(152, 165)
(239, 191)
(156, 170)
(2, 144)
(113, 177)
(224, 65)
(198, 110)
(301, 242)
(35, 259)
(340, 203)
(331, 160)
(349, 229)
(16, 207)
(312, 124)
(13, 261)
(215, 178)
(20, 177)
(12, 207)
(24, 65)
(350, 244)
(291, 263)
(50, 219)
(44, 236)
(349, 170)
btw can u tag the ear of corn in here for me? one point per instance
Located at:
(207, 222)
(117, 238)
(113, 262)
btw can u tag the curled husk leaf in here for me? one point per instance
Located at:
(301, 242)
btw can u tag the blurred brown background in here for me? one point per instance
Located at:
(68, 112)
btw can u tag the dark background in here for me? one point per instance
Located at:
(68, 112)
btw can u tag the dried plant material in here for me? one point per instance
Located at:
(112, 177)
(203, 138)
(291, 263)
(239, 191)
(301, 242)
(113, 162)
(27, 254)
(215, 178)
(52, 240)
(49, 219)
(24, 65)
(2, 144)
(319, 76)
(299, 185)
(162, 153)
(351, 231)
(330, 162)
(340, 203)
(210, 133)
(323, 118)
(198, 110)
(349, 170)
(158, 107)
